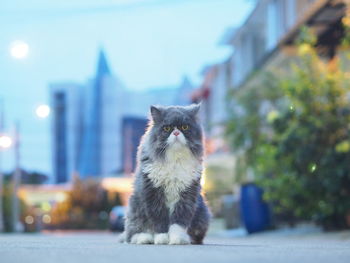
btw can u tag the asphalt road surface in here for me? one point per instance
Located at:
(63, 247)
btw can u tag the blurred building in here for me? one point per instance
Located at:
(267, 38)
(132, 130)
(265, 41)
(86, 125)
(66, 129)
(212, 94)
(103, 110)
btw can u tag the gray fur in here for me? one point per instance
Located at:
(149, 211)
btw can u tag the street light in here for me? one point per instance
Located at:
(5, 142)
(19, 49)
(16, 180)
(43, 111)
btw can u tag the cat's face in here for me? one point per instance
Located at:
(176, 127)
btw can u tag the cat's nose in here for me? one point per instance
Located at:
(176, 133)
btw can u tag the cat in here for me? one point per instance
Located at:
(166, 206)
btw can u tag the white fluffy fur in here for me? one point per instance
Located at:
(142, 238)
(161, 239)
(178, 235)
(177, 172)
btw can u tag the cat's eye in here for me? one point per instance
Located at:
(184, 127)
(167, 128)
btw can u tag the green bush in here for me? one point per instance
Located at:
(294, 133)
(87, 207)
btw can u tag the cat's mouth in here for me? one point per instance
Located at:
(177, 142)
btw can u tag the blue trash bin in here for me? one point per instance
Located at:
(255, 212)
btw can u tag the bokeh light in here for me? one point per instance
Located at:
(60, 197)
(46, 219)
(5, 141)
(19, 49)
(29, 220)
(46, 206)
(42, 111)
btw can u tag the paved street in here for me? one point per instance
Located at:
(102, 247)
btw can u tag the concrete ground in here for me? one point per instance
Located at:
(65, 247)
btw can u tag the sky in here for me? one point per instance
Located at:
(148, 43)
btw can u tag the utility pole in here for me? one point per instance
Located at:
(16, 181)
(2, 227)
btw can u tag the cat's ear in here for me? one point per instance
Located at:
(156, 113)
(194, 109)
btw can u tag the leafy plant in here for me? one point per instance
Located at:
(298, 144)
(86, 207)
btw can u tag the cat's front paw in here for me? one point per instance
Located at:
(142, 238)
(178, 235)
(161, 239)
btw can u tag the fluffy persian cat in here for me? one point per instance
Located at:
(166, 206)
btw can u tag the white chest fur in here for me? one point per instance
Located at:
(175, 173)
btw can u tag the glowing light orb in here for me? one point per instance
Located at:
(46, 206)
(43, 111)
(29, 220)
(60, 197)
(19, 49)
(46, 219)
(5, 141)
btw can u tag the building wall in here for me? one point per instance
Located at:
(219, 95)
(113, 110)
(78, 136)
(105, 106)
(268, 23)
(66, 128)
(60, 140)
(133, 129)
(89, 160)
(213, 95)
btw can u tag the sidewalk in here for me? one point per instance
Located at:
(301, 231)
(103, 247)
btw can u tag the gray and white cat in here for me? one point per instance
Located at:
(166, 206)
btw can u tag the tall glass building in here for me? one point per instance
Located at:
(87, 125)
